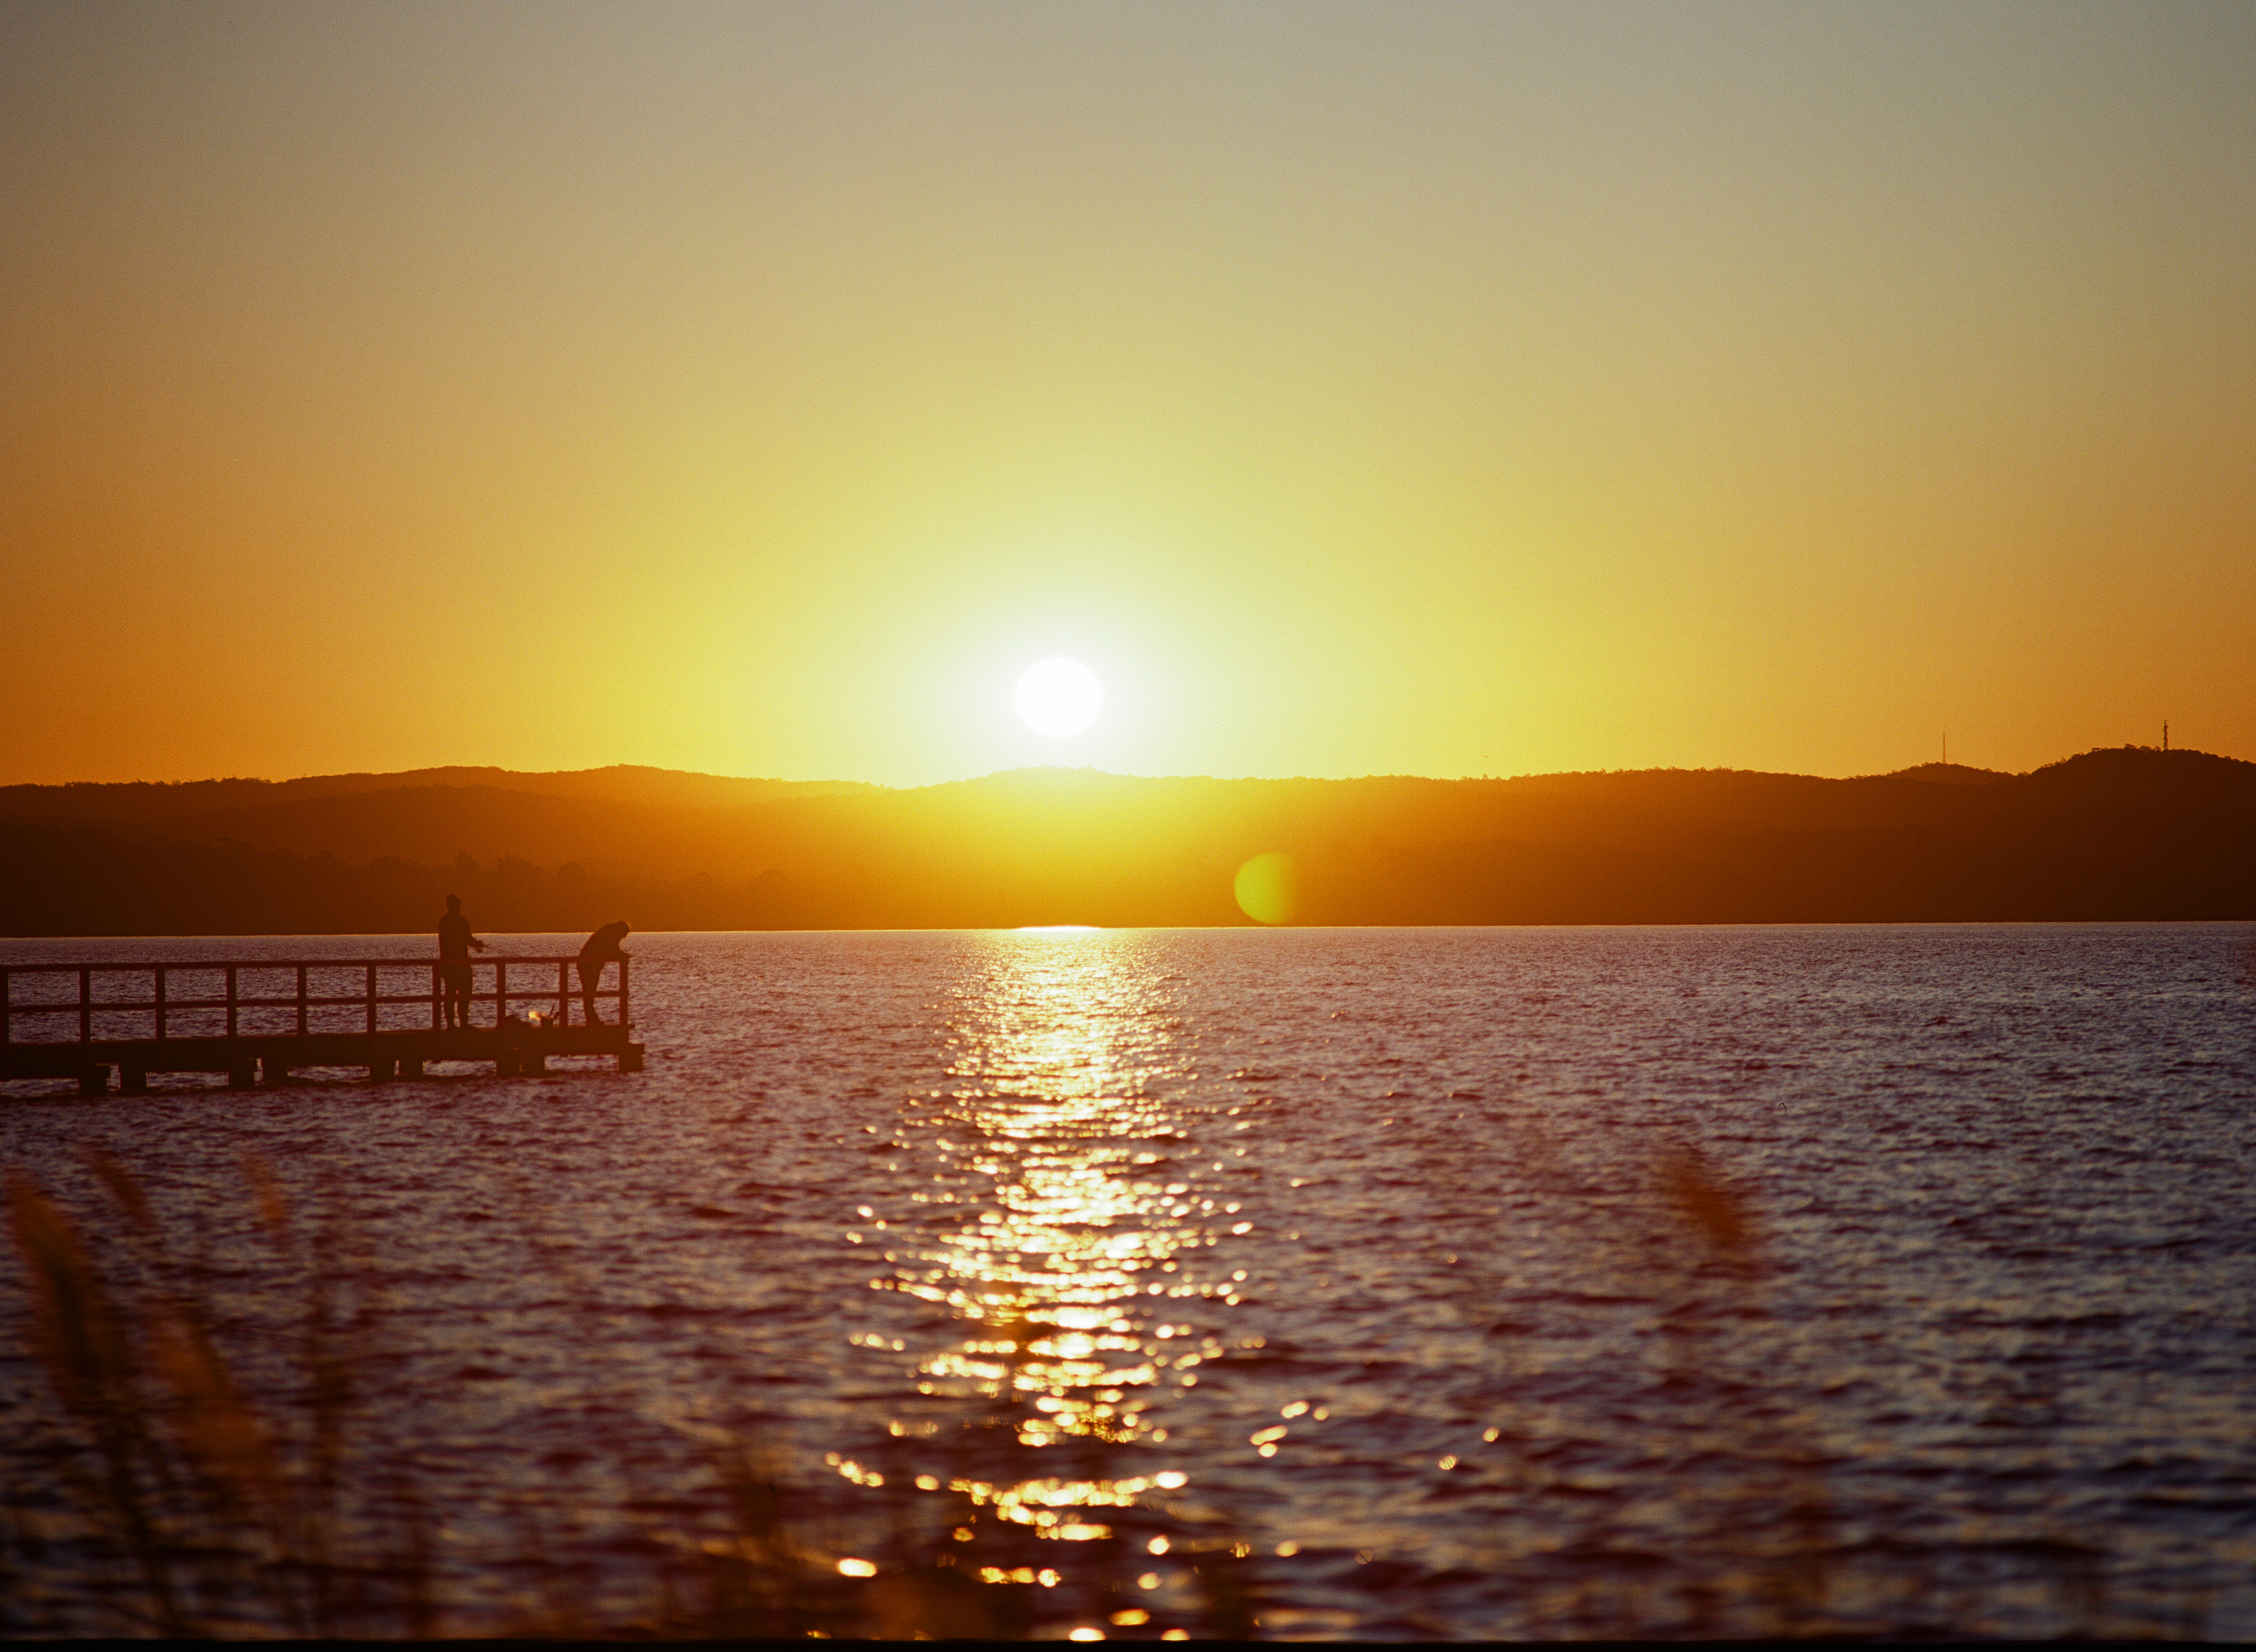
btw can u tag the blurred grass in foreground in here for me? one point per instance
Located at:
(165, 1498)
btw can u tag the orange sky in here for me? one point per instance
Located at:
(1356, 388)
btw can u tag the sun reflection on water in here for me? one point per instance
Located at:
(1064, 1228)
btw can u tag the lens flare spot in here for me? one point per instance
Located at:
(1268, 888)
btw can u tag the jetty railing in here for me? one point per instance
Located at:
(234, 998)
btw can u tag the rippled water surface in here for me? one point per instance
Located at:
(1462, 1282)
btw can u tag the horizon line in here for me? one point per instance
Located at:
(1090, 769)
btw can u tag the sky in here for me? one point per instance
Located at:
(1361, 389)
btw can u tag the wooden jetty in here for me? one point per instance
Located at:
(256, 1020)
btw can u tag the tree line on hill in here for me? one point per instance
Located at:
(2113, 834)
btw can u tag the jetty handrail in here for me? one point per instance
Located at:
(162, 1005)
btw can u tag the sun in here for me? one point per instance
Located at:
(1060, 697)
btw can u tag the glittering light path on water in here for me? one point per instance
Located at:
(1064, 1213)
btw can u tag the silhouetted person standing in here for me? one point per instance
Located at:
(456, 942)
(602, 947)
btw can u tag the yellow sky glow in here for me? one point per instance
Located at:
(1444, 389)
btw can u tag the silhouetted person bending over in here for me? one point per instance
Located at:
(602, 947)
(454, 944)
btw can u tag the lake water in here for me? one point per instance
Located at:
(1447, 1283)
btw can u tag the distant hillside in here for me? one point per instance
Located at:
(2126, 834)
(1949, 774)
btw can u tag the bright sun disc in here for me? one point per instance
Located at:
(1060, 697)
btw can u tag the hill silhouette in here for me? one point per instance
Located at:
(2132, 832)
(1949, 774)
